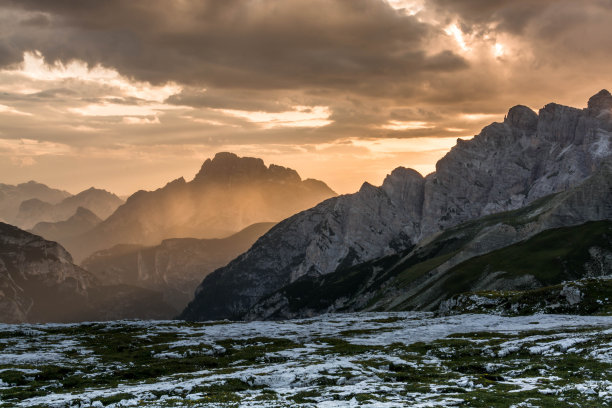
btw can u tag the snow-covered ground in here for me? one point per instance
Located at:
(341, 360)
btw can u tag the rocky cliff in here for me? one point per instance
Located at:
(507, 166)
(560, 237)
(228, 194)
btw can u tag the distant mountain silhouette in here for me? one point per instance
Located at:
(100, 202)
(228, 194)
(11, 197)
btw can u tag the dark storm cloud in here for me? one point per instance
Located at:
(346, 44)
(551, 21)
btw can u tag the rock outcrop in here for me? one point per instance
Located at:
(228, 194)
(507, 166)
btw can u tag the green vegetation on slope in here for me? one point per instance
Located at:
(551, 257)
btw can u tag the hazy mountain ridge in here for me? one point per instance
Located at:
(100, 202)
(228, 194)
(11, 197)
(82, 221)
(507, 166)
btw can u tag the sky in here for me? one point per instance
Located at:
(129, 95)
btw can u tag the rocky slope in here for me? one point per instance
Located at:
(507, 166)
(12, 196)
(33, 211)
(40, 283)
(82, 221)
(173, 268)
(228, 194)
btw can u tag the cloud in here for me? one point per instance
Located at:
(353, 85)
(239, 43)
(13, 111)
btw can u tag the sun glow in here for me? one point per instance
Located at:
(300, 116)
(499, 50)
(454, 31)
(406, 125)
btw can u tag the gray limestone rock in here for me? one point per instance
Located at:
(507, 166)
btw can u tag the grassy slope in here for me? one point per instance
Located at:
(552, 257)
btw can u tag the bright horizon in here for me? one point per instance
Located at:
(89, 99)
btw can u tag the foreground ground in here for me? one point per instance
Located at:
(381, 360)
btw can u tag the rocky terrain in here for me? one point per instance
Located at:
(100, 202)
(175, 267)
(228, 194)
(508, 166)
(11, 197)
(390, 360)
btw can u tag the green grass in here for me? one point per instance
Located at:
(551, 257)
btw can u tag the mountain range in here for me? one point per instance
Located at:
(551, 167)
(228, 194)
(152, 263)
(12, 196)
(33, 211)
(521, 209)
(40, 283)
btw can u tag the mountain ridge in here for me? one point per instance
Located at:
(507, 166)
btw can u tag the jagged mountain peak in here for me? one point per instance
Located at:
(229, 168)
(228, 193)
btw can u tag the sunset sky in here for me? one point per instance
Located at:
(128, 95)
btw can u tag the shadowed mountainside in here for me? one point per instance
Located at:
(175, 267)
